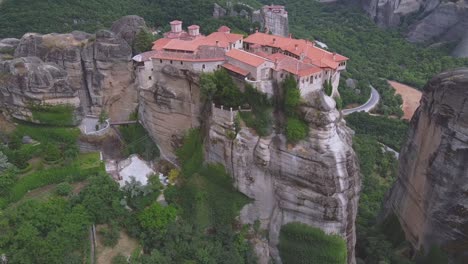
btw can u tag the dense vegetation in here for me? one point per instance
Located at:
(220, 88)
(19, 17)
(55, 115)
(296, 128)
(391, 132)
(137, 140)
(302, 244)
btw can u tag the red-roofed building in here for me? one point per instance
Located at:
(260, 59)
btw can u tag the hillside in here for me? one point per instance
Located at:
(19, 17)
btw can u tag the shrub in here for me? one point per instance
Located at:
(328, 88)
(110, 235)
(296, 130)
(300, 243)
(173, 175)
(119, 259)
(63, 189)
(51, 152)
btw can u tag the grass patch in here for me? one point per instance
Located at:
(55, 115)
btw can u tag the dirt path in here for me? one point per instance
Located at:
(411, 98)
(125, 246)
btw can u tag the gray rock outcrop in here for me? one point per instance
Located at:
(430, 197)
(315, 182)
(128, 27)
(99, 68)
(170, 107)
(434, 20)
(461, 51)
(29, 80)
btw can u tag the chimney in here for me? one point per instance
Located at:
(217, 43)
(290, 35)
(296, 46)
(334, 55)
(274, 40)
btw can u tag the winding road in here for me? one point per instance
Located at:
(369, 105)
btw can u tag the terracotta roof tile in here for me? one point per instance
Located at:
(246, 57)
(235, 69)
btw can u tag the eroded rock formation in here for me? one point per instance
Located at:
(27, 81)
(169, 106)
(433, 20)
(98, 67)
(430, 197)
(315, 182)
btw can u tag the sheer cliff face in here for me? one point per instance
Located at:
(315, 181)
(170, 106)
(97, 69)
(434, 21)
(430, 197)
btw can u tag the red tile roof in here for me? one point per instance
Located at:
(298, 47)
(246, 57)
(292, 65)
(235, 69)
(224, 29)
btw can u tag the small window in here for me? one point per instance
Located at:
(160, 61)
(282, 76)
(181, 63)
(150, 77)
(203, 66)
(171, 62)
(218, 66)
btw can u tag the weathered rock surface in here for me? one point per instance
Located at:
(430, 197)
(29, 80)
(461, 51)
(447, 22)
(315, 182)
(435, 20)
(170, 106)
(99, 68)
(128, 27)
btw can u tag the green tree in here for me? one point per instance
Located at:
(292, 96)
(296, 130)
(143, 41)
(300, 243)
(327, 87)
(208, 85)
(156, 218)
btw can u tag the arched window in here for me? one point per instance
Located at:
(203, 66)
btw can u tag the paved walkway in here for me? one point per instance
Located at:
(368, 106)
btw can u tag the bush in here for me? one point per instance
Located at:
(156, 218)
(300, 243)
(119, 259)
(110, 235)
(296, 130)
(52, 152)
(63, 189)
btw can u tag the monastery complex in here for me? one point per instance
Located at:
(260, 59)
